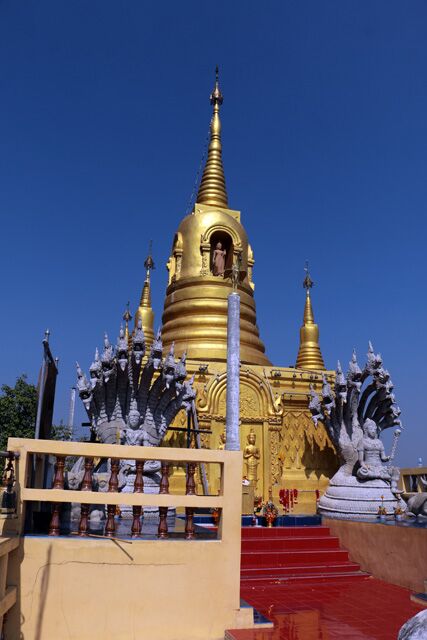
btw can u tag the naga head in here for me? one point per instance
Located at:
(168, 372)
(315, 406)
(340, 383)
(355, 372)
(122, 349)
(157, 351)
(180, 372)
(188, 394)
(327, 394)
(107, 360)
(84, 388)
(95, 370)
(138, 343)
(374, 361)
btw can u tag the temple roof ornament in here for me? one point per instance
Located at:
(309, 354)
(212, 188)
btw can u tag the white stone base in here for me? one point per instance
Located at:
(348, 498)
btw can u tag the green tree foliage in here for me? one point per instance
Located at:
(61, 432)
(18, 409)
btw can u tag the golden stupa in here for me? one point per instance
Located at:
(195, 311)
(282, 447)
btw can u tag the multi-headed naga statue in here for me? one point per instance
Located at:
(123, 403)
(359, 408)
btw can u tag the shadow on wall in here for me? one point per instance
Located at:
(323, 462)
(43, 594)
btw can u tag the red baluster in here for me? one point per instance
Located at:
(86, 486)
(58, 483)
(87, 478)
(84, 519)
(58, 480)
(55, 521)
(113, 486)
(190, 487)
(138, 487)
(163, 525)
(190, 490)
(189, 524)
(164, 482)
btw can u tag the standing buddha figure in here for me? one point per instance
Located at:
(218, 260)
(251, 455)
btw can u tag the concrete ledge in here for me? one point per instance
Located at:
(396, 554)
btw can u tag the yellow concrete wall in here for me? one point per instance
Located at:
(85, 589)
(394, 554)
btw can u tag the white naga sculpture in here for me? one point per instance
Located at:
(125, 406)
(359, 408)
(417, 504)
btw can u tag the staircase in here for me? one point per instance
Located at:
(281, 554)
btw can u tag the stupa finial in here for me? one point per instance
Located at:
(149, 262)
(212, 188)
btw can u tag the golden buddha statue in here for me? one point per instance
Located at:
(251, 456)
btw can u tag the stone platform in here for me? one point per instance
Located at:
(391, 551)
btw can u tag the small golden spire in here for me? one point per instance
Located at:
(308, 284)
(309, 354)
(145, 311)
(212, 188)
(127, 317)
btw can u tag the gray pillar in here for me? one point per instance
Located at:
(232, 442)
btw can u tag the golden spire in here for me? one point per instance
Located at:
(212, 188)
(127, 317)
(145, 311)
(309, 354)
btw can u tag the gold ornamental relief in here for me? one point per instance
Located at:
(205, 249)
(255, 400)
(248, 403)
(293, 439)
(275, 466)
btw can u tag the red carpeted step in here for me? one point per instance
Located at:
(284, 532)
(286, 558)
(315, 578)
(289, 543)
(254, 573)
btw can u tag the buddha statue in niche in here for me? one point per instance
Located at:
(218, 260)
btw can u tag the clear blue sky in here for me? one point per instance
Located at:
(103, 116)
